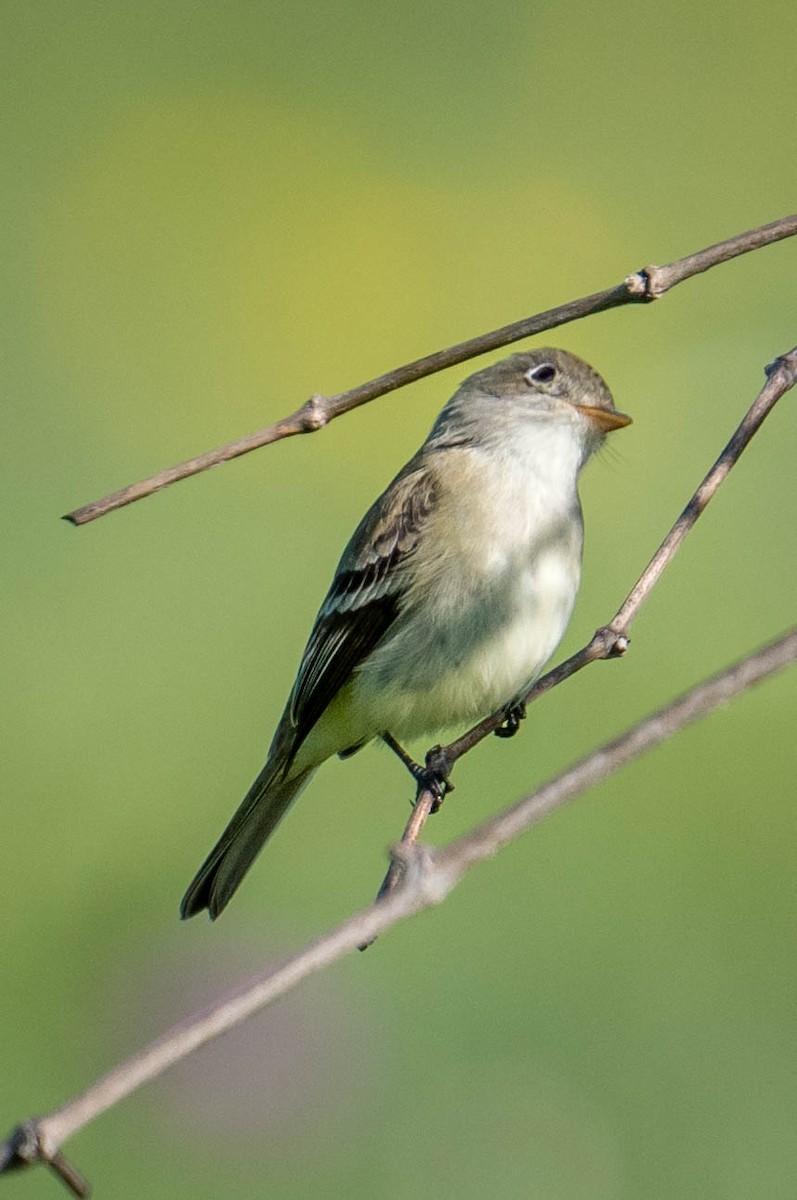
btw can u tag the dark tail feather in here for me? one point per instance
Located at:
(263, 807)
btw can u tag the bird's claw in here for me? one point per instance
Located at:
(512, 718)
(434, 776)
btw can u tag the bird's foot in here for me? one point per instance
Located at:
(433, 774)
(512, 718)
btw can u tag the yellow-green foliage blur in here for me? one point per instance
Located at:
(211, 211)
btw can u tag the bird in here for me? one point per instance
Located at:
(451, 595)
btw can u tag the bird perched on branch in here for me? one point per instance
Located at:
(452, 594)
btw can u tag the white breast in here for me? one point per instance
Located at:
(492, 588)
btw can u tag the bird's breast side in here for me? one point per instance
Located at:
(490, 591)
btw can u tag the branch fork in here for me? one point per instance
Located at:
(28, 1144)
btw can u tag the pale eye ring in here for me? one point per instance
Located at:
(544, 373)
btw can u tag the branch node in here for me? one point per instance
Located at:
(619, 646)
(314, 414)
(654, 281)
(609, 642)
(27, 1146)
(786, 363)
(637, 285)
(421, 874)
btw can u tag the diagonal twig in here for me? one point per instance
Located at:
(428, 878)
(640, 287)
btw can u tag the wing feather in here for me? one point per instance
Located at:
(364, 599)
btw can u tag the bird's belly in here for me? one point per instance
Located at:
(468, 653)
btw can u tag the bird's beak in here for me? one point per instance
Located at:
(606, 419)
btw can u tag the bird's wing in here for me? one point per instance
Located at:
(362, 603)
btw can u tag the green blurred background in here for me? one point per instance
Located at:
(210, 212)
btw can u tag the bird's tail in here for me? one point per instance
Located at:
(258, 815)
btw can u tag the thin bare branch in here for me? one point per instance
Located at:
(428, 877)
(486, 839)
(640, 287)
(425, 803)
(662, 279)
(611, 641)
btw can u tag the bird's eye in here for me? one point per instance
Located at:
(545, 373)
